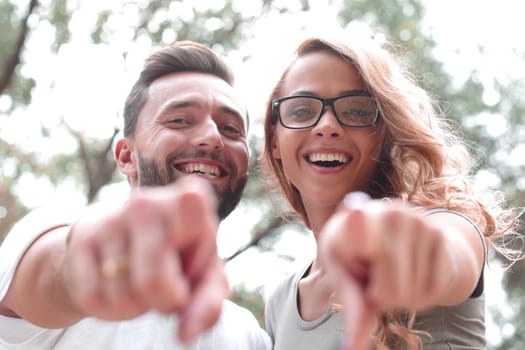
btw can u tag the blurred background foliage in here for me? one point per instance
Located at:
(225, 27)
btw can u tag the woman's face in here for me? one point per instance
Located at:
(328, 160)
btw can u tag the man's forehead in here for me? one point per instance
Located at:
(180, 84)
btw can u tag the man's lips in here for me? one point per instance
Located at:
(201, 168)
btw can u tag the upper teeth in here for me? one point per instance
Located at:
(327, 157)
(201, 168)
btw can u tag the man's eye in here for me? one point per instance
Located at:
(233, 130)
(179, 121)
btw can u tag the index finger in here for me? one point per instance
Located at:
(360, 316)
(193, 225)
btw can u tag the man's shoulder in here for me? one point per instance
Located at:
(45, 218)
(37, 222)
(25, 232)
(239, 329)
(237, 314)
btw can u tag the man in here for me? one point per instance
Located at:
(130, 277)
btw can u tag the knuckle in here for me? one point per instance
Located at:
(149, 285)
(138, 204)
(88, 301)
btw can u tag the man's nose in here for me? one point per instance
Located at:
(208, 136)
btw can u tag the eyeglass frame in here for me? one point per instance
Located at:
(276, 103)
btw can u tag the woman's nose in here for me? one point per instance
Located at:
(328, 125)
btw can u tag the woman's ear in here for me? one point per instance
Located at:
(125, 158)
(276, 152)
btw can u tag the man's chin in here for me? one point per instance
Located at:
(229, 199)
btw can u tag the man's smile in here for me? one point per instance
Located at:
(201, 169)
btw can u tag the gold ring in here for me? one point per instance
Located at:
(113, 267)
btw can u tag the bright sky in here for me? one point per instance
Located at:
(86, 86)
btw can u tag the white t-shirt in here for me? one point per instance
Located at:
(237, 328)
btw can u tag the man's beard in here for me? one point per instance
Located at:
(152, 175)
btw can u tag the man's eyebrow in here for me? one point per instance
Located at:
(173, 105)
(235, 113)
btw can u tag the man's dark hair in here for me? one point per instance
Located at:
(182, 56)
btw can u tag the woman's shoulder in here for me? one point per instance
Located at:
(287, 285)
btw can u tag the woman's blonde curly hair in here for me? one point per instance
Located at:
(423, 161)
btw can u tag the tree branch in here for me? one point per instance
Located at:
(14, 59)
(274, 224)
(99, 166)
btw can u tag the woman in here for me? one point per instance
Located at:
(407, 266)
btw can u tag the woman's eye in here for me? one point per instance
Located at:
(358, 112)
(302, 113)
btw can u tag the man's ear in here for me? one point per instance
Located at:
(125, 158)
(276, 152)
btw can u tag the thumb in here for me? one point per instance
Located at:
(359, 315)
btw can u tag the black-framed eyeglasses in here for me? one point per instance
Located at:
(356, 110)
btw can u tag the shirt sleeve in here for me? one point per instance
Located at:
(238, 329)
(16, 331)
(478, 290)
(23, 234)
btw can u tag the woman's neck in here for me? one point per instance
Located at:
(318, 216)
(315, 292)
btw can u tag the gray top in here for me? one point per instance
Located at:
(289, 331)
(457, 327)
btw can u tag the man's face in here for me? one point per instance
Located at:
(192, 123)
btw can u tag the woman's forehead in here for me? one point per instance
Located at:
(321, 70)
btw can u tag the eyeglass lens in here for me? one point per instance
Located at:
(299, 112)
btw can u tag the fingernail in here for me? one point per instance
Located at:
(355, 199)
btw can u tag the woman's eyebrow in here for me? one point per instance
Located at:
(310, 93)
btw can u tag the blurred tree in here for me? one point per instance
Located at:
(14, 33)
(160, 21)
(251, 299)
(7, 217)
(223, 27)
